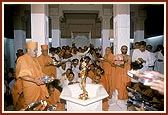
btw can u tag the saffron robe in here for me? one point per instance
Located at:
(109, 73)
(55, 100)
(123, 80)
(105, 105)
(91, 74)
(47, 69)
(28, 66)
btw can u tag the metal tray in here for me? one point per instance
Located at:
(47, 79)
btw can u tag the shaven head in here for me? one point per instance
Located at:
(108, 50)
(44, 49)
(124, 49)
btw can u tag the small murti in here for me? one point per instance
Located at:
(84, 95)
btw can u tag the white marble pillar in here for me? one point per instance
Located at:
(138, 35)
(139, 29)
(19, 28)
(105, 40)
(56, 37)
(19, 39)
(105, 33)
(19, 33)
(39, 24)
(9, 53)
(19, 43)
(56, 33)
(121, 27)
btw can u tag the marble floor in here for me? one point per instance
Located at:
(117, 105)
(114, 105)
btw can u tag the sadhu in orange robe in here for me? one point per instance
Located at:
(91, 74)
(105, 101)
(28, 66)
(123, 80)
(103, 82)
(109, 73)
(55, 100)
(49, 70)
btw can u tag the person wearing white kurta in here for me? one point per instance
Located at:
(151, 66)
(61, 70)
(135, 46)
(55, 56)
(67, 61)
(64, 76)
(146, 56)
(76, 72)
(69, 80)
(11, 85)
(159, 64)
(79, 55)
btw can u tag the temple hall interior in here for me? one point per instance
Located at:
(92, 47)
